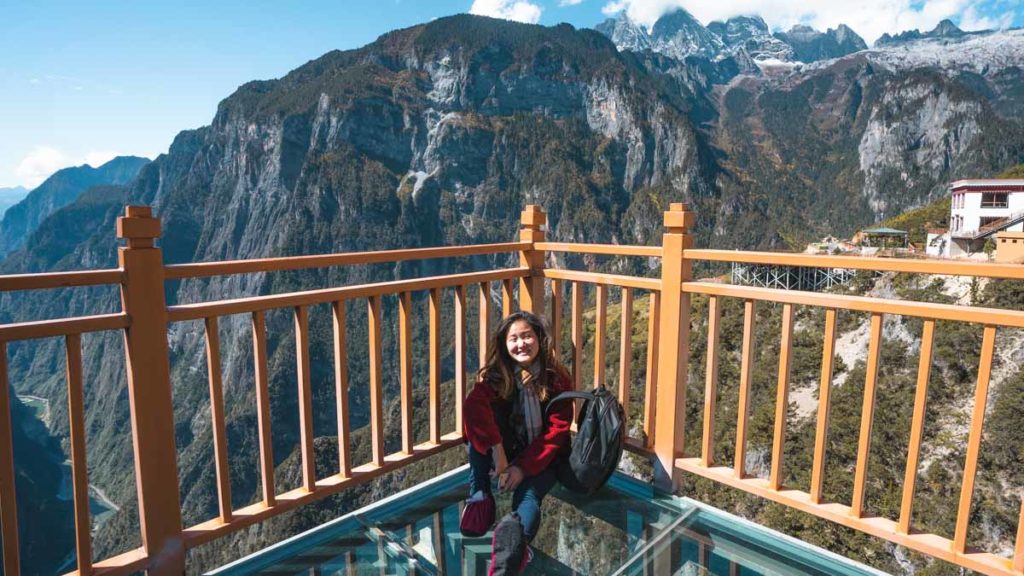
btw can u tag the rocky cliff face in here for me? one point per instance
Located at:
(439, 134)
(809, 45)
(59, 190)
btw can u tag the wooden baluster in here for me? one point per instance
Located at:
(508, 298)
(653, 344)
(79, 468)
(460, 355)
(435, 365)
(625, 350)
(824, 394)
(485, 320)
(577, 335)
(707, 452)
(673, 365)
(963, 515)
(438, 540)
(405, 368)
(1018, 546)
(305, 398)
(782, 398)
(600, 327)
(341, 388)
(259, 345)
(556, 314)
(8, 499)
(866, 417)
(746, 376)
(917, 425)
(220, 440)
(376, 381)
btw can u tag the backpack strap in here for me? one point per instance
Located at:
(569, 396)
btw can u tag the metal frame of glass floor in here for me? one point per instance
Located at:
(624, 529)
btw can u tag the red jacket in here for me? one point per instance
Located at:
(482, 430)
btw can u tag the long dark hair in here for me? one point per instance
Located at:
(499, 371)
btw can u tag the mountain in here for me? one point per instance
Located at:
(10, 196)
(679, 35)
(438, 134)
(625, 34)
(944, 30)
(750, 33)
(809, 45)
(59, 190)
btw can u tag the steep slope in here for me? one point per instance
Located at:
(57, 191)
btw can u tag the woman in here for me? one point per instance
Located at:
(512, 438)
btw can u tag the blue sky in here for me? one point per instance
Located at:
(82, 81)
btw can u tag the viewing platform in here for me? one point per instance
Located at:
(674, 348)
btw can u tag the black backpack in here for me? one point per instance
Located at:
(597, 447)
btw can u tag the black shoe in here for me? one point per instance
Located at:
(508, 547)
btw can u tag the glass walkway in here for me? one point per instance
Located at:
(624, 529)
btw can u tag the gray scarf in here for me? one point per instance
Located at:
(533, 418)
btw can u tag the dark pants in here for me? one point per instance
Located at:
(527, 497)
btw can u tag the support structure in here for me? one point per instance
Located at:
(531, 288)
(674, 335)
(149, 389)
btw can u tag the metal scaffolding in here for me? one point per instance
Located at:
(789, 277)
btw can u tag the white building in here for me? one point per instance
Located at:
(980, 209)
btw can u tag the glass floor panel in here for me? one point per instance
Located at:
(624, 529)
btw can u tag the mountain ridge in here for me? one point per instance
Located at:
(57, 191)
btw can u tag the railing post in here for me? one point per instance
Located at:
(149, 391)
(674, 339)
(531, 288)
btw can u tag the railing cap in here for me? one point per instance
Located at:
(678, 219)
(533, 216)
(138, 226)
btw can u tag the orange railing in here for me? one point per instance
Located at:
(145, 319)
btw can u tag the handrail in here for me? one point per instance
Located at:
(978, 315)
(611, 249)
(13, 282)
(201, 310)
(944, 267)
(63, 327)
(652, 284)
(223, 268)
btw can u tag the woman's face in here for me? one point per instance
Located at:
(522, 343)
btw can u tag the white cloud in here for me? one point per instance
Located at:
(869, 18)
(39, 164)
(518, 10)
(43, 161)
(569, 2)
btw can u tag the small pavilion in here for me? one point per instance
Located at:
(884, 238)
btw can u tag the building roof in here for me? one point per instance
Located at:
(1003, 184)
(882, 231)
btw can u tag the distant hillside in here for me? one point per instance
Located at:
(58, 191)
(10, 196)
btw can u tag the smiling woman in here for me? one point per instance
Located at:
(511, 435)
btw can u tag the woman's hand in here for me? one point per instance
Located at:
(500, 462)
(510, 480)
